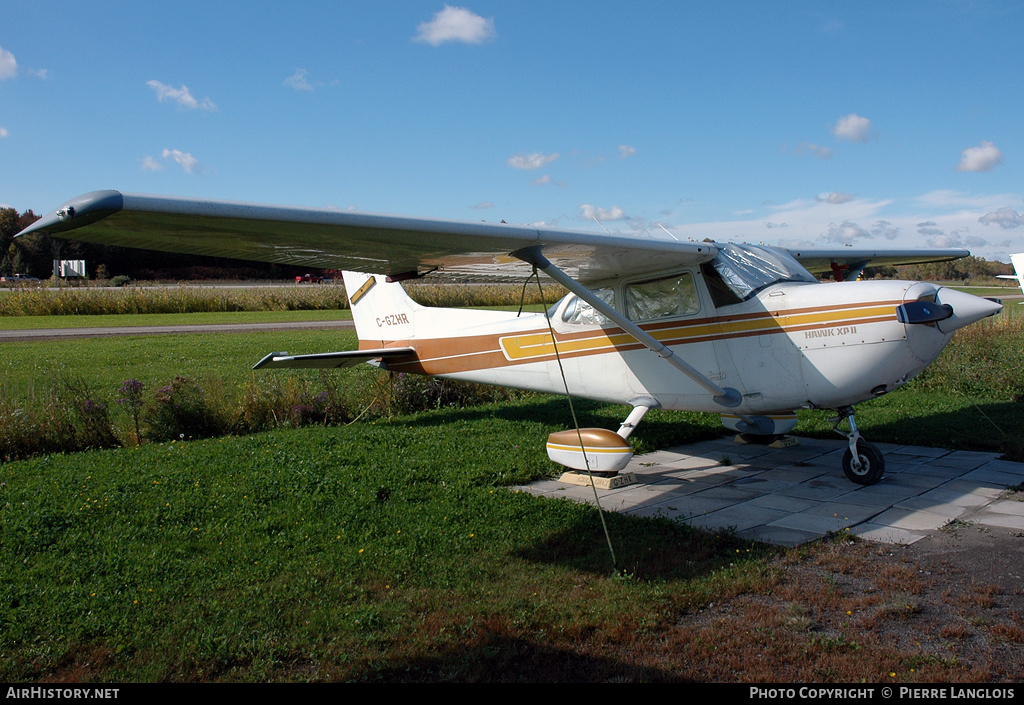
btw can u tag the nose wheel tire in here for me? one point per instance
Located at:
(872, 464)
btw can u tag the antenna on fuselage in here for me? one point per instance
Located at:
(669, 234)
(601, 224)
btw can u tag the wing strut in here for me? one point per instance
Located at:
(727, 397)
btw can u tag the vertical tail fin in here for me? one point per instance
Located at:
(1017, 261)
(382, 311)
(1018, 267)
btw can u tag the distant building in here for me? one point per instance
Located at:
(69, 267)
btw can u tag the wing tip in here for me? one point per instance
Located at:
(83, 210)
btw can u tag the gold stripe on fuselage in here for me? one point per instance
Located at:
(464, 354)
(525, 346)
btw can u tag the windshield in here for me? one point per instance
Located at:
(746, 269)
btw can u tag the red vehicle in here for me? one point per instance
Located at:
(310, 279)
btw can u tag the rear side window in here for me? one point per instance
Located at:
(662, 298)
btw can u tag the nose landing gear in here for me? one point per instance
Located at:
(862, 462)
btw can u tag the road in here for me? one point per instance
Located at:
(7, 336)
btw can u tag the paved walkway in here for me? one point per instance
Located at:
(790, 496)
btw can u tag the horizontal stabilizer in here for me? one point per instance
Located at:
(331, 360)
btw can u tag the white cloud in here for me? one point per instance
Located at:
(3, 132)
(455, 24)
(848, 232)
(989, 225)
(151, 164)
(885, 229)
(811, 148)
(37, 73)
(182, 96)
(980, 158)
(1005, 218)
(852, 128)
(590, 213)
(546, 179)
(625, 151)
(834, 197)
(298, 81)
(845, 233)
(531, 161)
(187, 162)
(8, 66)
(957, 237)
(483, 205)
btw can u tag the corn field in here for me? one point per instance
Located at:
(189, 299)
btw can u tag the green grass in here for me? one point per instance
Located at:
(30, 367)
(350, 548)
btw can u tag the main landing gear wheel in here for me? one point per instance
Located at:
(872, 464)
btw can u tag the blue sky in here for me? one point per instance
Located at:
(875, 124)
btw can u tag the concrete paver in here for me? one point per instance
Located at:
(789, 496)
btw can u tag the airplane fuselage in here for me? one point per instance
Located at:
(791, 345)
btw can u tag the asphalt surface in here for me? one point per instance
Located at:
(64, 333)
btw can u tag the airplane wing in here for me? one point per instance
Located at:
(821, 261)
(336, 239)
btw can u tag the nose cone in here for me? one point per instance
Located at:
(967, 309)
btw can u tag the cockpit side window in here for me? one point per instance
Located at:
(662, 298)
(579, 312)
(721, 294)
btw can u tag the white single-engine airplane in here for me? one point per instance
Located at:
(740, 330)
(1018, 267)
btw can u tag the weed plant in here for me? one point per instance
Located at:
(67, 417)
(70, 418)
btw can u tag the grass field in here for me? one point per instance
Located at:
(392, 549)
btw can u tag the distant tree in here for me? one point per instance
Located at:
(8, 226)
(7, 260)
(15, 259)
